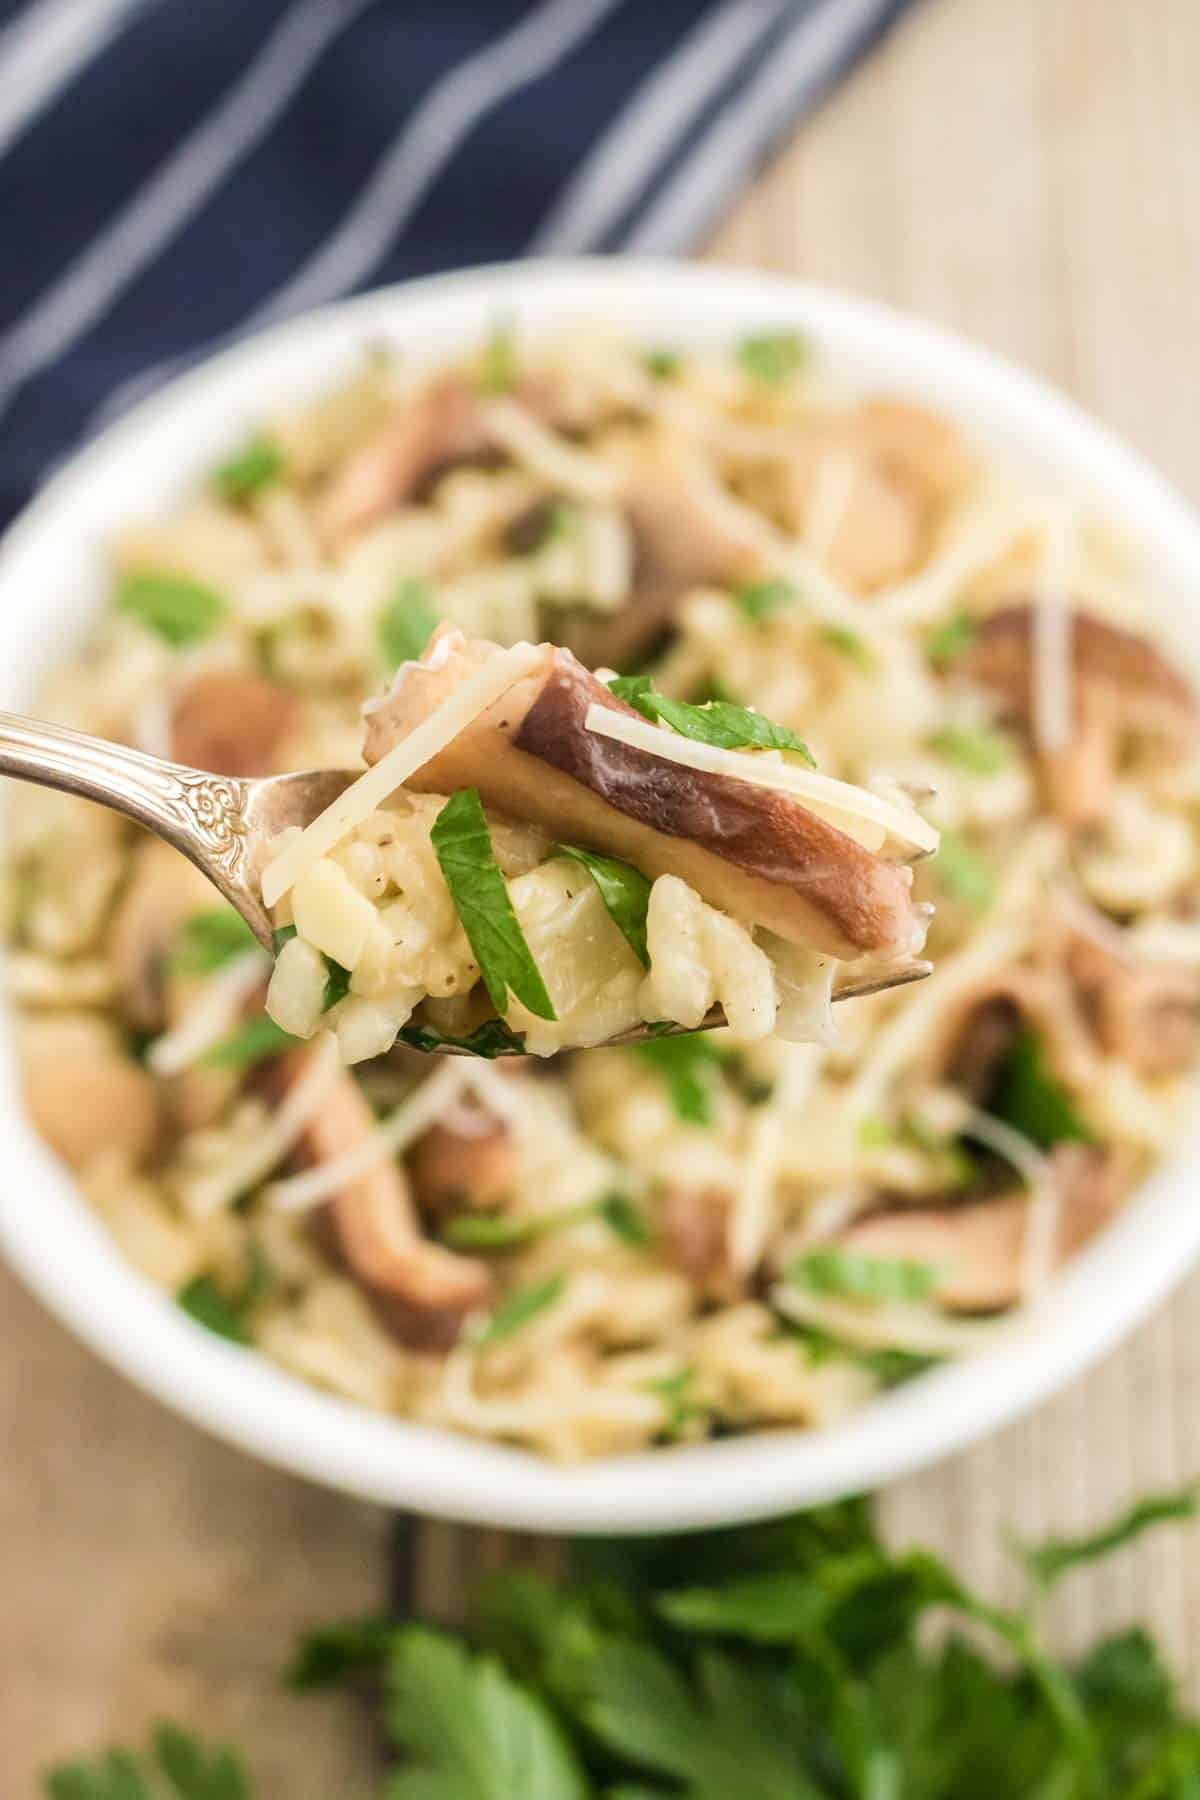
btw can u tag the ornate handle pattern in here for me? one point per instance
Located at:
(203, 815)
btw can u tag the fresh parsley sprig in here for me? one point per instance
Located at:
(258, 465)
(463, 846)
(717, 722)
(180, 610)
(624, 890)
(852, 1275)
(207, 940)
(407, 622)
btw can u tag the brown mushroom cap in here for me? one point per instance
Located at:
(1122, 687)
(232, 722)
(84, 1094)
(694, 1224)
(1148, 1014)
(978, 1247)
(422, 1290)
(755, 852)
(451, 1168)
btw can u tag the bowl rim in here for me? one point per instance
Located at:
(64, 1255)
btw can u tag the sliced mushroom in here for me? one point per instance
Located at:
(84, 1094)
(422, 1290)
(977, 1031)
(1148, 1014)
(163, 890)
(688, 532)
(232, 722)
(978, 1247)
(751, 851)
(694, 1223)
(1123, 689)
(467, 1164)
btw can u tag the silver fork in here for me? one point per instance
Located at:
(225, 824)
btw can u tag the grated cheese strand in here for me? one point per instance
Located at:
(209, 1195)
(363, 796)
(215, 1012)
(396, 1133)
(865, 816)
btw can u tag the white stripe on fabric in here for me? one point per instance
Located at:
(447, 115)
(181, 184)
(800, 67)
(42, 49)
(451, 109)
(622, 160)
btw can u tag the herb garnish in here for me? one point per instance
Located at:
(498, 363)
(517, 1309)
(491, 1039)
(762, 599)
(179, 610)
(786, 1659)
(964, 873)
(1028, 1096)
(852, 1275)
(686, 1063)
(255, 467)
(849, 644)
(499, 1232)
(204, 1300)
(337, 979)
(624, 890)
(209, 939)
(254, 1042)
(664, 365)
(946, 643)
(717, 722)
(976, 748)
(463, 846)
(773, 356)
(407, 622)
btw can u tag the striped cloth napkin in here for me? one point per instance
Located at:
(173, 172)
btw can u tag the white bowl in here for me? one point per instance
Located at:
(52, 579)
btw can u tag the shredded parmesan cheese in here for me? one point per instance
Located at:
(550, 457)
(363, 796)
(243, 1171)
(862, 815)
(214, 1014)
(401, 1128)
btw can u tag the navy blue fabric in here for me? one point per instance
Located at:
(189, 169)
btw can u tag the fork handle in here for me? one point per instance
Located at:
(202, 815)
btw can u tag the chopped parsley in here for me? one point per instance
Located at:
(337, 979)
(1028, 1096)
(946, 643)
(851, 1275)
(257, 1041)
(255, 467)
(963, 873)
(678, 1397)
(498, 363)
(663, 364)
(762, 599)
(227, 1315)
(624, 890)
(977, 749)
(686, 1063)
(773, 357)
(518, 1308)
(463, 846)
(717, 722)
(407, 622)
(491, 1039)
(498, 1232)
(181, 611)
(849, 644)
(624, 1219)
(209, 939)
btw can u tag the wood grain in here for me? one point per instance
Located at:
(1023, 170)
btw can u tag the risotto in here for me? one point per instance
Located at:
(597, 1251)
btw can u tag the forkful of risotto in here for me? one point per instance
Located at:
(537, 858)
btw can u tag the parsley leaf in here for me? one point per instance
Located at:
(491, 1039)
(406, 623)
(664, 365)
(851, 1275)
(498, 362)
(463, 846)
(686, 1063)
(1049, 1561)
(624, 890)
(484, 1232)
(227, 1315)
(624, 1219)
(849, 644)
(682, 1407)
(964, 873)
(255, 467)
(977, 749)
(518, 1308)
(773, 356)
(717, 722)
(180, 610)
(208, 939)
(763, 598)
(1029, 1097)
(191, 1770)
(946, 643)
(252, 1043)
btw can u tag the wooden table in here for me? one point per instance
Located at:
(1024, 170)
